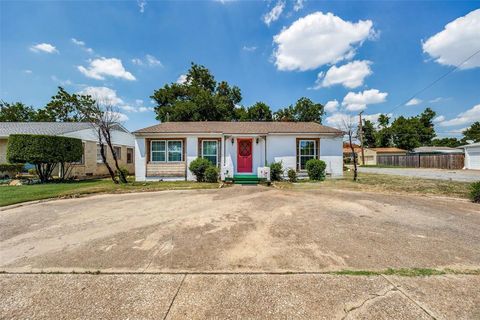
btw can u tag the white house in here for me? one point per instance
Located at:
(91, 163)
(472, 156)
(165, 151)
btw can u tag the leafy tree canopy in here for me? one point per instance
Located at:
(472, 133)
(66, 107)
(16, 112)
(199, 98)
(303, 110)
(369, 132)
(447, 142)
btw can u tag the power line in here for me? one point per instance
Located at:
(434, 82)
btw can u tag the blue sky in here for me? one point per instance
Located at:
(353, 55)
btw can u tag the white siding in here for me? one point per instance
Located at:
(282, 149)
(192, 154)
(258, 159)
(472, 158)
(140, 160)
(331, 151)
(118, 137)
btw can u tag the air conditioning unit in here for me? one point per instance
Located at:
(263, 173)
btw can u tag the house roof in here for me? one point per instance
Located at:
(477, 144)
(389, 150)
(46, 128)
(239, 127)
(436, 150)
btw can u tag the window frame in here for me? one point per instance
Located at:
(167, 141)
(132, 153)
(99, 154)
(119, 154)
(299, 153)
(217, 156)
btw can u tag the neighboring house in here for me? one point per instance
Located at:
(371, 154)
(436, 150)
(91, 163)
(165, 151)
(472, 156)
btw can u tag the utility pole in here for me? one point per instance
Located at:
(361, 137)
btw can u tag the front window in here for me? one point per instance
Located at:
(210, 151)
(129, 155)
(118, 152)
(306, 150)
(166, 151)
(99, 154)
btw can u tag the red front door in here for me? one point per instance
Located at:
(244, 155)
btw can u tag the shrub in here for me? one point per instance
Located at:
(32, 172)
(276, 171)
(316, 169)
(292, 175)
(475, 192)
(198, 168)
(211, 174)
(45, 152)
(11, 168)
(124, 171)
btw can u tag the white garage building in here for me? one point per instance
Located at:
(472, 156)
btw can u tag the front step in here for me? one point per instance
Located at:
(245, 179)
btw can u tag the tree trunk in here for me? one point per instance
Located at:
(108, 138)
(354, 157)
(104, 157)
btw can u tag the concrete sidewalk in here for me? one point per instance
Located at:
(238, 296)
(438, 174)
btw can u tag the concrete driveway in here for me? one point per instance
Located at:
(239, 252)
(440, 174)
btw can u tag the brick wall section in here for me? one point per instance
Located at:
(3, 150)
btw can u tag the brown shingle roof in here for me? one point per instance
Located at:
(239, 127)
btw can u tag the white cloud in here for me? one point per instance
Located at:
(467, 117)
(359, 101)
(44, 47)
(275, 13)
(141, 5)
(337, 119)
(145, 109)
(82, 45)
(374, 117)
(99, 68)
(298, 5)
(439, 119)
(28, 71)
(413, 102)
(456, 42)
(149, 61)
(436, 100)
(103, 95)
(62, 82)
(249, 49)
(350, 75)
(138, 102)
(318, 39)
(331, 106)
(182, 79)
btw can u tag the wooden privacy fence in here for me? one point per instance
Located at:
(437, 161)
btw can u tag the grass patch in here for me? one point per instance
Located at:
(17, 194)
(387, 183)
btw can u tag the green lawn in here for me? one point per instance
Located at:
(16, 194)
(388, 183)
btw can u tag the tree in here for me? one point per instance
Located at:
(472, 133)
(16, 112)
(369, 134)
(308, 111)
(406, 132)
(447, 142)
(43, 151)
(427, 130)
(383, 137)
(259, 112)
(199, 98)
(104, 119)
(304, 110)
(66, 107)
(348, 126)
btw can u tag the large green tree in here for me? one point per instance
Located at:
(259, 112)
(383, 137)
(427, 130)
(472, 133)
(447, 142)
(369, 134)
(16, 112)
(303, 110)
(66, 107)
(413, 132)
(198, 98)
